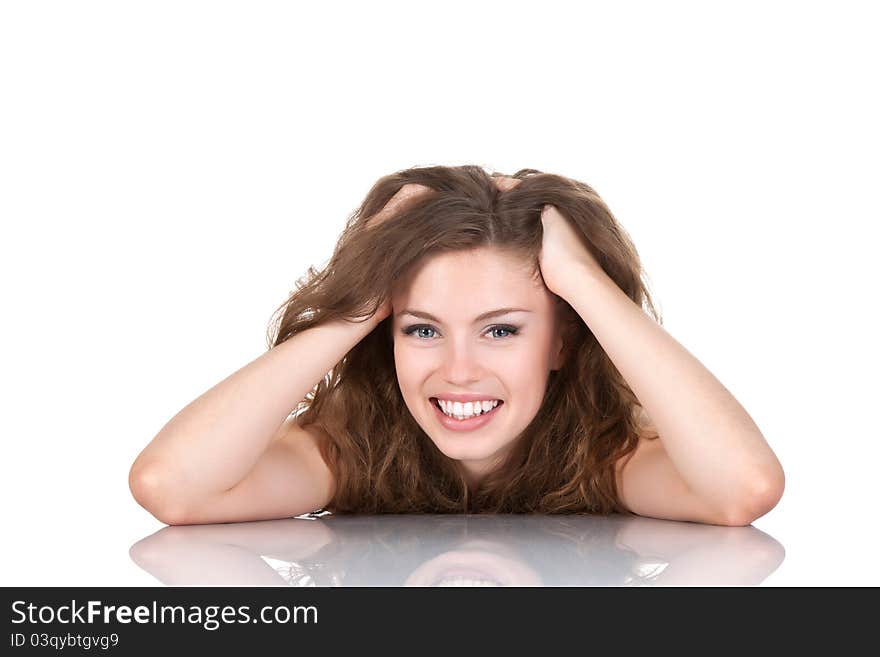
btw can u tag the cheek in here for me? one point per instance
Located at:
(533, 356)
(411, 368)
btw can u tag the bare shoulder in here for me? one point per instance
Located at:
(648, 440)
(307, 440)
(649, 484)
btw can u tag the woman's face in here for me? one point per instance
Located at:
(507, 357)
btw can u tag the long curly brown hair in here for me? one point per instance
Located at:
(381, 459)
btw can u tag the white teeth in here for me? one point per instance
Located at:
(466, 581)
(460, 410)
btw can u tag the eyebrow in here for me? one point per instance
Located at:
(492, 313)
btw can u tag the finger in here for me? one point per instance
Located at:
(402, 195)
(505, 183)
(550, 215)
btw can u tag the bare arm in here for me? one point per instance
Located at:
(711, 460)
(230, 455)
(211, 445)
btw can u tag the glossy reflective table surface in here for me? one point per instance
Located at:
(476, 550)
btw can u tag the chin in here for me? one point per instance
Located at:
(462, 450)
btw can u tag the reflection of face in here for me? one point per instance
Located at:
(457, 354)
(475, 563)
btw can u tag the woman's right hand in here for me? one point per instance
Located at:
(505, 183)
(396, 203)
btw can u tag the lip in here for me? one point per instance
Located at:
(466, 573)
(479, 560)
(470, 424)
(462, 397)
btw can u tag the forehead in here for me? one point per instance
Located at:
(480, 273)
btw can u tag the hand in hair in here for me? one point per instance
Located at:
(505, 183)
(563, 256)
(564, 259)
(396, 203)
(404, 195)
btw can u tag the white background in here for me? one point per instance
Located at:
(168, 169)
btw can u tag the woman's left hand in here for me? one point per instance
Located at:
(564, 259)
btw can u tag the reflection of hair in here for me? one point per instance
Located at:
(381, 459)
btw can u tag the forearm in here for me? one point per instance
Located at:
(713, 442)
(212, 443)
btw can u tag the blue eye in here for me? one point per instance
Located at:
(413, 329)
(512, 330)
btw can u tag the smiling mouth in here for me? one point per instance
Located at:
(437, 405)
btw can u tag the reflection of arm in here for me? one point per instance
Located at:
(228, 554)
(183, 561)
(290, 539)
(718, 564)
(703, 555)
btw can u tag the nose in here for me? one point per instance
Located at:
(461, 364)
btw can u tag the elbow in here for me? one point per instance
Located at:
(148, 486)
(764, 494)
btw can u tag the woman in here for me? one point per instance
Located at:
(476, 344)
